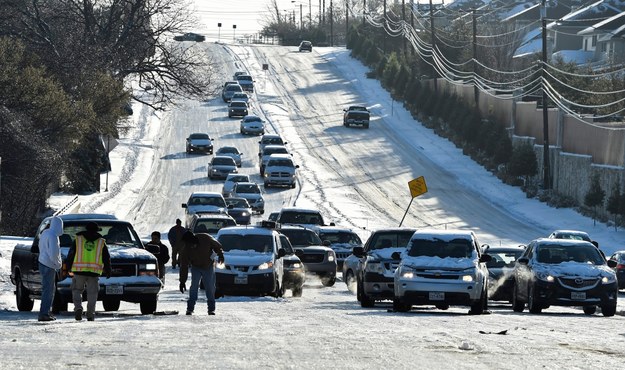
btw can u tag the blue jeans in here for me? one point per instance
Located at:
(208, 276)
(48, 287)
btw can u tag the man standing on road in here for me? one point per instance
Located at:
(88, 259)
(49, 263)
(198, 253)
(161, 253)
(175, 240)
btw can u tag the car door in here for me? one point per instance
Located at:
(523, 274)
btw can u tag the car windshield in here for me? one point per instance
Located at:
(238, 178)
(358, 115)
(502, 258)
(255, 243)
(272, 141)
(280, 150)
(280, 163)
(199, 136)
(228, 150)
(239, 96)
(435, 247)
(118, 234)
(394, 239)
(233, 87)
(554, 254)
(223, 161)
(244, 78)
(342, 237)
(301, 237)
(207, 201)
(245, 188)
(212, 226)
(238, 104)
(252, 119)
(295, 217)
(237, 202)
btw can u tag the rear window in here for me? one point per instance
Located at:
(198, 136)
(358, 115)
(207, 201)
(269, 151)
(294, 217)
(390, 239)
(224, 161)
(280, 163)
(212, 226)
(302, 237)
(239, 104)
(233, 88)
(255, 243)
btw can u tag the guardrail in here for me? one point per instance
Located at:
(66, 207)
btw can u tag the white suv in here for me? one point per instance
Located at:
(280, 170)
(442, 268)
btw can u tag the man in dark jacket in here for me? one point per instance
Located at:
(88, 258)
(198, 253)
(175, 241)
(160, 251)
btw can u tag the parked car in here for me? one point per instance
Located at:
(199, 143)
(203, 202)
(229, 91)
(280, 171)
(240, 210)
(230, 151)
(232, 179)
(253, 262)
(317, 258)
(559, 272)
(252, 192)
(246, 81)
(442, 268)
(252, 125)
(501, 271)
(241, 96)
(305, 46)
(356, 116)
(221, 166)
(267, 151)
(237, 108)
(190, 36)
(294, 271)
(134, 270)
(269, 139)
(341, 239)
(211, 223)
(372, 267)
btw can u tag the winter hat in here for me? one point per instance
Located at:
(92, 227)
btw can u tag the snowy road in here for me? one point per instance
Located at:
(358, 178)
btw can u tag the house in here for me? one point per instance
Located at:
(606, 40)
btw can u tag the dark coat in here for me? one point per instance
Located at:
(163, 255)
(199, 255)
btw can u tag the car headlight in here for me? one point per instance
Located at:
(265, 266)
(244, 214)
(406, 273)
(330, 258)
(213, 170)
(266, 174)
(221, 266)
(544, 276)
(147, 266)
(608, 279)
(296, 265)
(374, 267)
(467, 278)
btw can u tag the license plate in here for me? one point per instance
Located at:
(578, 296)
(114, 289)
(240, 279)
(437, 296)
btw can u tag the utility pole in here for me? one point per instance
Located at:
(331, 25)
(324, 13)
(412, 22)
(309, 14)
(403, 18)
(301, 24)
(346, 21)
(364, 11)
(546, 164)
(384, 35)
(433, 44)
(476, 93)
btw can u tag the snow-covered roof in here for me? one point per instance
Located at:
(611, 24)
(587, 15)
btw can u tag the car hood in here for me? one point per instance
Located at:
(384, 254)
(200, 142)
(223, 167)
(342, 247)
(312, 248)
(447, 263)
(280, 169)
(122, 253)
(573, 269)
(237, 257)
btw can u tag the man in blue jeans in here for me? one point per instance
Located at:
(198, 254)
(49, 264)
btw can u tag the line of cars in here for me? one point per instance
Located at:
(444, 268)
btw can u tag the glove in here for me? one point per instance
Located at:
(220, 259)
(183, 287)
(108, 274)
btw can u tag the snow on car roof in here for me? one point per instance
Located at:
(297, 209)
(247, 230)
(206, 193)
(445, 235)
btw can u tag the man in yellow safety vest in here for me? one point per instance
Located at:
(88, 258)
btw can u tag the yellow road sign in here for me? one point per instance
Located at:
(417, 186)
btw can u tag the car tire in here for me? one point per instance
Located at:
(328, 281)
(297, 292)
(590, 310)
(608, 310)
(148, 305)
(400, 306)
(22, 295)
(481, 305)
(517, 305)
(366, 301)
(293, 186)
(111, 304)
(532, 305)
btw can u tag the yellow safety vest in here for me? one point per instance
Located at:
(88, 256)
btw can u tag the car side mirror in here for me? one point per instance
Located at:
(326, 243)
(612, 263)
(152, 248)
(486, 258)
(358, 252)
(297, 166)
(396, 256)
(299, 253)
(184, 205)
(523, 260)
(281, 252)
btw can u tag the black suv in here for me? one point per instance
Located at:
(305, 46)
(317, 258)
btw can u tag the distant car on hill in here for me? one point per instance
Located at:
(190, 36)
